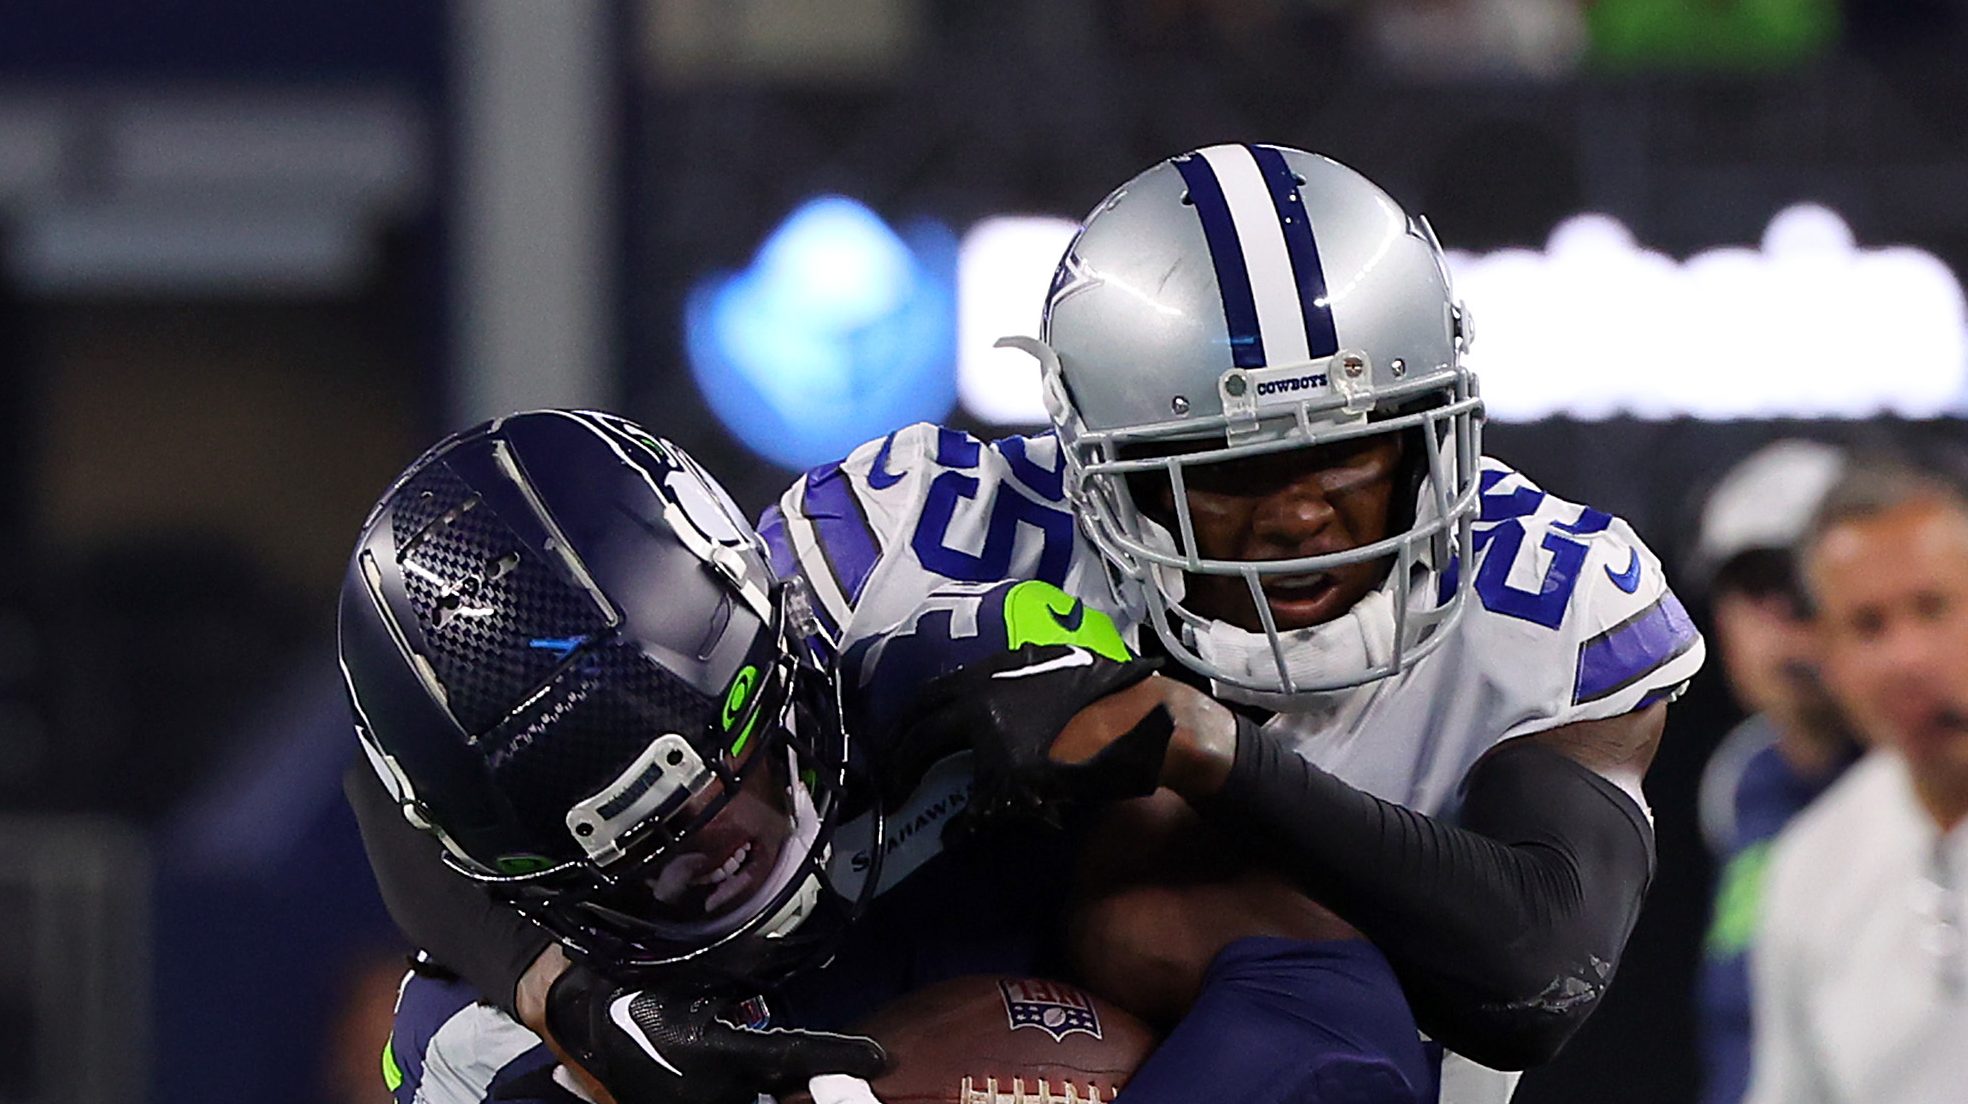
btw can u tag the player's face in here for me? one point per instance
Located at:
(1892, 595)
(728, 859)
(1283, 506)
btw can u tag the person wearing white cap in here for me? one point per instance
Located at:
(1861, 982)
(1792, 745)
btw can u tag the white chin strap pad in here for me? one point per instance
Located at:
(1360, 639)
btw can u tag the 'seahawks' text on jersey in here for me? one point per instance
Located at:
(1574, 619)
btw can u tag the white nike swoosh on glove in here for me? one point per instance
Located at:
(618, 1010)
(1080, 657)
(840, 1088)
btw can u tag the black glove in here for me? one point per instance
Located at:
(1010, 709)
(653, 1047)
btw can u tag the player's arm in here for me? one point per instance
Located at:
(608, 1033)
(510, 962)
(1506, 928)
(488, 944)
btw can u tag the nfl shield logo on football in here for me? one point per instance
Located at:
(1058, 1010)
(752, 1013)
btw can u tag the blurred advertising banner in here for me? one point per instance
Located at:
(843, 327)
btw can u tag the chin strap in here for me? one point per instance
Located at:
(1360, 639)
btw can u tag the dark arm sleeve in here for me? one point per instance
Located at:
(456, 922)
(1506, 929)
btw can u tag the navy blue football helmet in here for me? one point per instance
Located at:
(569, 660)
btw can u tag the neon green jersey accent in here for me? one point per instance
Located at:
(1738, 900)
(392, 1074)
(1039, 613)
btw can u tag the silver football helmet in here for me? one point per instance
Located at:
(1250, 299)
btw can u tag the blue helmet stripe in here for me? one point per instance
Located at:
(1321, 337)
(1227, 254)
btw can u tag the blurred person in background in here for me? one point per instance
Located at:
(1861, 984)
(1792, 745)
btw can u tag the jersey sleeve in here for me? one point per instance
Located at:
(828, 527)
(1580, 620)
(902, 517)
(446, 1046)
(1635, 643)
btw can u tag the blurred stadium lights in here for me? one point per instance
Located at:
(1809, 325)
(1003, 269)
(840, 330)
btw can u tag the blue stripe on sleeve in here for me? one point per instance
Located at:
(772, 527)
(841, 528)
(785, 562)
(1633, 649)
(1227, 254)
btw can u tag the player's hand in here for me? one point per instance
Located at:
(1011, 709)
(653, 1047)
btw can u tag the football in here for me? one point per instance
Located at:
(1003, 1040)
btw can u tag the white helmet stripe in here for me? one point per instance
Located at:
(1280, 318)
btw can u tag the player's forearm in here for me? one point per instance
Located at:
(463, 928)
(1506, 929)
(530, 1005)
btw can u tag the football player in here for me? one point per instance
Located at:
(1432, 688)
(569, 662)
(1421, 686)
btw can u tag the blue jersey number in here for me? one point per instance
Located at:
(1009, 510)
(1545, 605)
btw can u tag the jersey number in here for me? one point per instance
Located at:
(1545, 605)
(1009, 510)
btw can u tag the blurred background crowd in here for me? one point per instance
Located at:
(255, 256)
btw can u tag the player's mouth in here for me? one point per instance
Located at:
(1300, 600)
(700, 883)
(729, 878)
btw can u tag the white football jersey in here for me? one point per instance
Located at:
(1573, 619)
